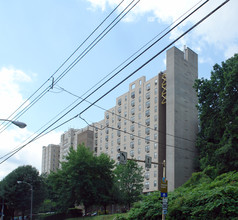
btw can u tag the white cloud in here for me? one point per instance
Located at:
(219, 30)
(13, 137)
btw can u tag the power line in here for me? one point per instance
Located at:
(51, 77)
(146, 63)
(136, 52)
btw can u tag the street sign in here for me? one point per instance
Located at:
(123, 157)
(164, 185)
(164, 211)
(164, 194)
(148, 161)
(165, 200)
(164, 205)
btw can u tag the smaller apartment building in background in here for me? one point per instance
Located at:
(50, 158)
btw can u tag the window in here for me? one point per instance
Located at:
(119, 133)
(155, 136)
(111, 143)
(139, 150)
(133, 102)
(147, 95)
(155, 173)
(155, 118)
(156, 127)
(125, 114)
(106, 145)
(147, 185)
(147, 175)
(147, 104)
(147, 148)
(139, 141)
(155, 183)
(118, 141)
(139, 133)
(133, 119)
(132, 137)
(107, 123)
(124, 146)
(126, 98)
(119, 125)
(119, 118)
(147, 113)
(156, 91)
(119, 102)
(156, 82)
(112, 135)
(106, 138)
(147, 139)
(132, 153)
(139, 107)
(139, 98)
(107, 115)
(155, 146)
(148, 87)
(155, 155)
(132, 128)
(156, 99)
(156, 108)
(107, 130)
(133, 86)
(132, 145)
(147, 131)
(139, 90)
(132, 111)
(139, 116)
(147, 121)
(125, 138)
(125, 106)
(119, 109)
(124, 122)
(133, 95)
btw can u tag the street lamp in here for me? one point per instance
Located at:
(17, 123)
(19, 182)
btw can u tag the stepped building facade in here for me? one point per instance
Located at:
(156, 117)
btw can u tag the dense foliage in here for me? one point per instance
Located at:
(84, 179)
(200, 198)
(218, 112)
(18, 195)
(129, 182)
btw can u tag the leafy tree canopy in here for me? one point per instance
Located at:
(129, 182)
(18, 195)
(218, 111)
(84, 179)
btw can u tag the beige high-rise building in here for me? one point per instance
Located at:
(158, 118)
(50, 158)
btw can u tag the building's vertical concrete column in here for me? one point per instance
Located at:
(181, 115)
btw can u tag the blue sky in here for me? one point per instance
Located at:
(38, 36)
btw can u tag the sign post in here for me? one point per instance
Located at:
(164, 193)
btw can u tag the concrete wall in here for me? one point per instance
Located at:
(182, 116)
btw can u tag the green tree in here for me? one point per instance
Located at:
(217, 141)
(18, 196)
(84, 179)
(129, 182)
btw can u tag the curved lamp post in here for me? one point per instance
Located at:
(17, 123)
(19, 182)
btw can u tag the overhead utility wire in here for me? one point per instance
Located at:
(98, 39)
(195, 25)
(28, 99)
(103, 79)
(137, 136)
(128, 119)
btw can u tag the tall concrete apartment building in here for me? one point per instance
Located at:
(50, 158)
(74, 137)
(158, 118)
